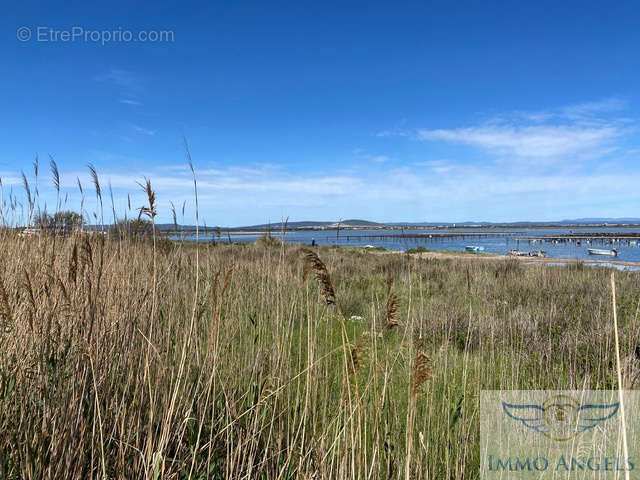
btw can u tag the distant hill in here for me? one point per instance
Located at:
(359, 223)
(166, 227)
(312, 224)
(616, 221)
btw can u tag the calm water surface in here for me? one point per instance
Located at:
(493, 240)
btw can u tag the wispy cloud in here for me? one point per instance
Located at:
(437, 166)
(376, 158)
(586, 113)
(568, 133)
(586, 110)
(119, 77)
(535, 142)
(143, 130)
(128, 101)
(10, 179)
(127, 83)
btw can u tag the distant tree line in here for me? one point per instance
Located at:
(133, 227)
(67, 222)
(61, 222)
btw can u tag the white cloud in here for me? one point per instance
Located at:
(543, 142)
(128, 101)
(444, 191)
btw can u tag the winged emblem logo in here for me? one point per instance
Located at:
(560, 417)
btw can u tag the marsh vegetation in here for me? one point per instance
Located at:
(124, 360)
(124, 355)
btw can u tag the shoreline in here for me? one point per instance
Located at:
(530, 260)
(461, 255)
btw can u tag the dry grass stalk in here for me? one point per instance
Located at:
(86, 252)
(28, 287)
(4, 303)
(73, 264)
(313, 263)
(175, 217)
(217, 297)
(619, 368)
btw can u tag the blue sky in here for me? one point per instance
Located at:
(394, 111)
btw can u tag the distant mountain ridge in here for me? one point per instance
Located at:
(306, 224)
(359, 223)
(604, 220)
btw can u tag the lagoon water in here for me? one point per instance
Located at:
(493, 240)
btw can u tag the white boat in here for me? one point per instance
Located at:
(474, 248)
(602, 251)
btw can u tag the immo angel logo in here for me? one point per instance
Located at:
(560, 417)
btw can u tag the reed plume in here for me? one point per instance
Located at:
(55, 173)
(217, 296)
(96, 184)
(422, 372)
(313, 263)
(357, 352)
(150, 210)
(56, 178)
(80, 186)
(96, 181)
(392, 307)
(113, 205)
(36, 169)
(175, 218)
(27, 189)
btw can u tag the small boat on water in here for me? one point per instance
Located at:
(474, 248)
(603, 251)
